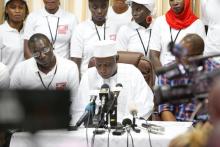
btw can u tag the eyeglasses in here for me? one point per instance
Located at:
(44, 50)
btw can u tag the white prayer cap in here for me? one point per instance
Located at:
(149, 4)
(104, 48)
(7, 1)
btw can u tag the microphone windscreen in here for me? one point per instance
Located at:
(126, 122)
(133, 109)
(119, 85)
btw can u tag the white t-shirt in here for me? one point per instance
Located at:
(61, 21)
(135, 91)
(86, 35)
(211, 17)
(129, 40)
(119, 19)
(63, 76)
(4, 76)
(11, 42)
(161, 37)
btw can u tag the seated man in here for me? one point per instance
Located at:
(45, 70)
(4, 76)
(194, 45)
(135, 90)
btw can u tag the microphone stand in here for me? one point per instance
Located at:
(134, 125)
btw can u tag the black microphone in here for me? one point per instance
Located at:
(89, 111)
(104, 94)
(127, 122)
(133, 110)
(116, 90)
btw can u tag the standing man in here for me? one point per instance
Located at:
(170, 28)
(45, 70)
(135, 91)
(52, 21)
(90, 31)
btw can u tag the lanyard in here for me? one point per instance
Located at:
(171, 37)
(51, 35)
(145, 51)
(97, 32)
(50, 81)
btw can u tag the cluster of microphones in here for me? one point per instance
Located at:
(104, 115)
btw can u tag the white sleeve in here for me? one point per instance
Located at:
(204, 16)
(155, 42)
(77, 43)
(143, 97)
(4, 77)
(29, 26)
(122, 39)
(200, 29)
(82, 99)
(15, 78)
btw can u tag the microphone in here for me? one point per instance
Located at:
(89, 111)
(104, 94)
(133, 111)
(116, 90)
(126, 122)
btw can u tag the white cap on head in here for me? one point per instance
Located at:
(104, 48)
(149, 4)
(6, 1)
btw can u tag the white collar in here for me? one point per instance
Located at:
(135, 26)
(57, 14)
(8, 28)
(106, 24)
(34, 66)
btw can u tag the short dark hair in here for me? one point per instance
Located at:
(36, 37)
(196, 41)
(6, 17)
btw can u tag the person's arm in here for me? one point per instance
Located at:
(27, 52)
(165, 111)
(167, 116)
(155, 59)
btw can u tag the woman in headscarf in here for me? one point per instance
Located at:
(170, 29)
